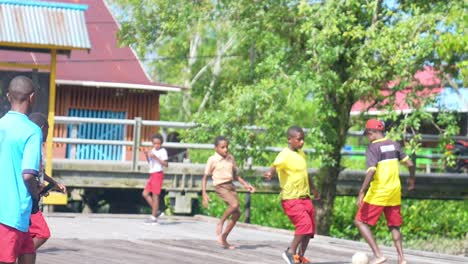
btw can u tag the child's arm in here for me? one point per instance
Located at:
(150, 155)
(314, 190)
(365, 185)
(245, 184)
(206, 198)
(164, 163)
(147, 155)
(412, 178)
(270, 173)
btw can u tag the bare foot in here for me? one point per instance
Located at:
(378, 260)
(224, 244)
(219, 229)
(403, 262)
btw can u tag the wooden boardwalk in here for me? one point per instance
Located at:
(80, 239)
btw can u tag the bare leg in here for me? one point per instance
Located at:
(230, 225)
(229, 211)
(396, 235)
(367, 234)
(303, 245)
(38, 242)
(233, 211)
(147, 196)
(27, 259)
(155, 205)
(295, 243)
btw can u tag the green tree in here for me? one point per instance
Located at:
(190, 41)
(307, 63)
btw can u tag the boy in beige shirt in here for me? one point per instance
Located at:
(222, 167)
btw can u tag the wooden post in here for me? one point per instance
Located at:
(136, 142)
(248, 198)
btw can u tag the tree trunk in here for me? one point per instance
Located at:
(328, 175)
(326, 183)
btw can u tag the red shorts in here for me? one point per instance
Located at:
(39, 227)
(14, 243)
(369, 214)
(301, 213)
(155, 182)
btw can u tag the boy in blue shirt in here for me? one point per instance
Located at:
(20, 155)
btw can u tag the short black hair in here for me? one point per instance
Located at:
(39, 119)
(218, 139)
(293, 130)
(20, 88)
(157, 136)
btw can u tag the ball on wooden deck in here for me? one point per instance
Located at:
(360, 258)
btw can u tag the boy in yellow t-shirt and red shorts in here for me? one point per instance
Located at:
(384, 194)
(291, 167)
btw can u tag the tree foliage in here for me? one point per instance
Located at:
(305, 63)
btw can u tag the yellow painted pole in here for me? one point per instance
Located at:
(51, 115)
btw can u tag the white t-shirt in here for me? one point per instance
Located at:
(154, 165)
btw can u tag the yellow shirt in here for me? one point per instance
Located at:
(384, 156)
(291, 167)
(222, 169)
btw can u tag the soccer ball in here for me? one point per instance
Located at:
(360, 258)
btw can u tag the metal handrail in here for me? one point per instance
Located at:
(138, 123)
(187, 125)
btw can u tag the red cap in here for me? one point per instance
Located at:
(375, 124)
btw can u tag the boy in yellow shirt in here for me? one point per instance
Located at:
(291, 167)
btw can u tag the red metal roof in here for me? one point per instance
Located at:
(106, 62)
(426, 78)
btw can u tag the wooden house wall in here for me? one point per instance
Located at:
(135, 103)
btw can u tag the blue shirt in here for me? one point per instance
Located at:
(20, 152)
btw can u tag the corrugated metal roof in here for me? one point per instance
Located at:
(107, 64)
(426, 77)
(36, 24)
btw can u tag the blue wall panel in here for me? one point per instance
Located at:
(97, 131)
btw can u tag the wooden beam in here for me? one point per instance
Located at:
(25, 65)
(188, 176)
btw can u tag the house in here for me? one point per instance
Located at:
(444, 99)
(107, 82)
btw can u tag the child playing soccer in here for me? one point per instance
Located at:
(291, 166)
(157, 159)
(384, 194)
(222, 167)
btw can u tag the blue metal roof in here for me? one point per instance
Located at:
(46, 25)
(45, 4)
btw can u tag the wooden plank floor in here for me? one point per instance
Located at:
(125, 239)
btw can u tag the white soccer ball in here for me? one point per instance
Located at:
(360, 258)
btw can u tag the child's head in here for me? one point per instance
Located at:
(157, 141)
(374, 129)
(221, 144)
(40, 120)
(295, 137)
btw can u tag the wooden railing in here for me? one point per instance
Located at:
(183, 180)
(137, 142)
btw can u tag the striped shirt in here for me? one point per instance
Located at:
(384, 156)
